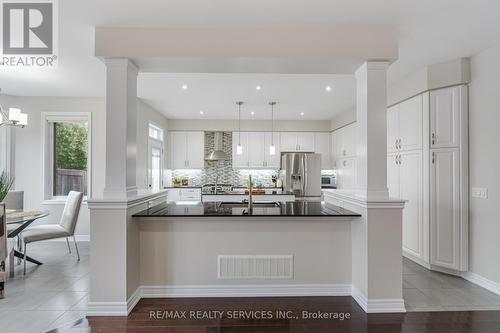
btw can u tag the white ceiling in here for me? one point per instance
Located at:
(216, 95)
(430, 31)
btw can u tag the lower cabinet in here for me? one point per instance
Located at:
(346, 173)
(184, 194)
(405, 179)
(448, 228)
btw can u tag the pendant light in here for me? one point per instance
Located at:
(272, 147)
(239, 148)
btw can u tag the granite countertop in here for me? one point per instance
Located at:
(268, 192)
(218, 209)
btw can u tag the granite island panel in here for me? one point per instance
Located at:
(228, 209)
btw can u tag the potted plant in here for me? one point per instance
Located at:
(5, 184)
(177, 181)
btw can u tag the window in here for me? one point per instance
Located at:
(155, 160)
(66, 141)
(155, 132)
(70, 157)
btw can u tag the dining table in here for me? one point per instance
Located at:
(17, 221)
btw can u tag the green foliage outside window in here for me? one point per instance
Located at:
(71, 146)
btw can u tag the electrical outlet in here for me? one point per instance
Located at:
(479, 192)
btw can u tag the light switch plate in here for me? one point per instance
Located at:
(479, 192)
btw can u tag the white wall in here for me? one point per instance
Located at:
(145, 115)
(28, 144)
(484, 163)
(249, 125)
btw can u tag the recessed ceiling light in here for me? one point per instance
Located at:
(201, 112)
(328, 88)
(184, 86)
(301, 114)
(258, 88)
(252, 113)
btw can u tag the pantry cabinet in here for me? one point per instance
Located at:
(445, 217)
(427, 166)
(187, 150)
(449, 180)
(445, 116)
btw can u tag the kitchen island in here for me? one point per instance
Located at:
(235, 209)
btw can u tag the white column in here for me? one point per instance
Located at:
(121, 128)
(371, 113)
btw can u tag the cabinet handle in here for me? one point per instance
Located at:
(396, 144)
(399, 143)
(344, 163)
(400, 159)
(344, 152)
(396, 159)
(433, 157)
(433, 136)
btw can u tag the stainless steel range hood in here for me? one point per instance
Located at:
(218, 153)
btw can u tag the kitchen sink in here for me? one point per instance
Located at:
(245, 205)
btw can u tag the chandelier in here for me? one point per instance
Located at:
(14, 118)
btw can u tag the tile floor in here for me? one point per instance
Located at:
(49, 295)
(56, 293)
(425, 290)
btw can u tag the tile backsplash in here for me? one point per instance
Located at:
(223, 169)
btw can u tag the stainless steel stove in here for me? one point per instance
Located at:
(216, 189)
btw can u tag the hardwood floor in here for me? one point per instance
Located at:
(142, 318)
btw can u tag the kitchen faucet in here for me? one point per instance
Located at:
(250, 200)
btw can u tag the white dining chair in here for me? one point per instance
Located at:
(15, 200)
(65, 228)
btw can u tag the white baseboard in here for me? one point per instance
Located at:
(79, 238)
(124, 308)
(107, 309)
(246, 290)
(134, 299)
(481, 281)
(378, 305)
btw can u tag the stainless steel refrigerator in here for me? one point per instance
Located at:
(301, 174)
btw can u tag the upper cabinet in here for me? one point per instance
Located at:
(445, 106)
(344, 141)
(404, 125)
(297, 141)
(187, 150)
(256, 153)
(322, 145)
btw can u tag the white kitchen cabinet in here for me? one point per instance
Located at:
(445, 112)
(445, 217)
(305, 141)
(346, 173)
(345, 139)
(297, 141)
(411, 190)
(187, 150)
(392, 128)
(393, 175)
(404, 125)
(405, 181)
(333, 145)
(184, 194)
(322, 146)
(240, 161)
(411, 123)
(256, 153)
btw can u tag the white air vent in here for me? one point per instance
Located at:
(255, 267)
